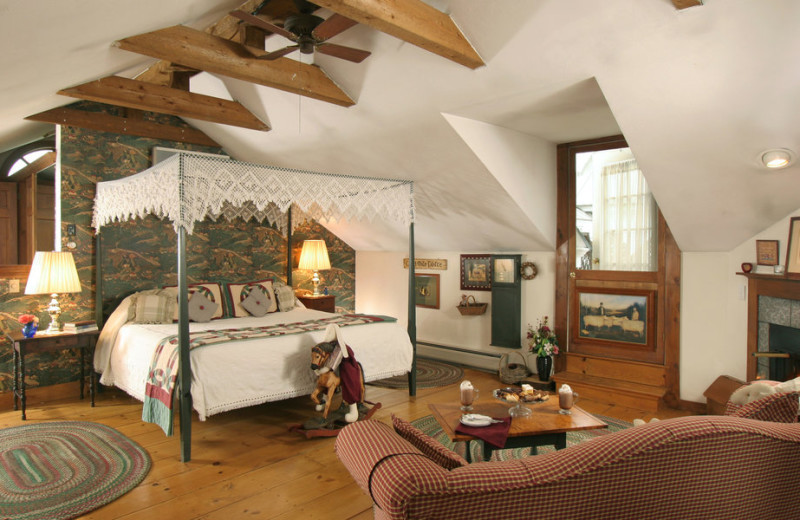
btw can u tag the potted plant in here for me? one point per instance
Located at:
(543, 342)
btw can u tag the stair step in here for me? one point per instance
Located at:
(625, 393)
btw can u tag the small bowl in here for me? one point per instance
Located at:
(747, 267)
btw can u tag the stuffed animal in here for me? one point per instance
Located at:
(749, 393)
(335, 366)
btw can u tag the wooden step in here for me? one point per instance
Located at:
(624, 393)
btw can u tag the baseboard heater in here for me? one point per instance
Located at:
(463, 356)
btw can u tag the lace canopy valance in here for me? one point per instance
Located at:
(187, 188)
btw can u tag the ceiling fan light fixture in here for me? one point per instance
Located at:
(777, 158)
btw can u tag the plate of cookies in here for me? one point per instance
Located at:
(523, 394)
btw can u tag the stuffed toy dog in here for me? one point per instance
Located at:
(335, 366)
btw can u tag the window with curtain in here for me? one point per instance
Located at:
(616, 214)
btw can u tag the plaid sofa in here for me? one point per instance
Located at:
(691, 467)
(782, 407)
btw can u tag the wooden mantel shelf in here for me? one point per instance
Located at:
(773, 277)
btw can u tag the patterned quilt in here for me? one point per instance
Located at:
(163, 373)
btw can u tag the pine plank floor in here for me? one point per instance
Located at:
(246, 464)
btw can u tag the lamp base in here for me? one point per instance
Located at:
(55, 313)
(315, 281)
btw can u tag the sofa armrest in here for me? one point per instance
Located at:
(781, 407)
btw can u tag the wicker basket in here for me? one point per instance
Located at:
(473, 309)
(511, 373)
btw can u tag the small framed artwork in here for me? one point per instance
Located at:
(793, 251)
(767, 252)
(476, 272)
(426, 290)
(504, 270)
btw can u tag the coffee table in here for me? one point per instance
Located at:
(545, 426)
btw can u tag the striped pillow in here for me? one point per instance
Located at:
(154, 308)
(427, 445)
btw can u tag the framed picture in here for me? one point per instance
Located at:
(426, 290)
(476, 272)
(623, 316)
(793, 251)
(504, 270)
(767, 252)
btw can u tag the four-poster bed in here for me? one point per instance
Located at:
(188, 188)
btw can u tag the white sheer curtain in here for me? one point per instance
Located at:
(624, 220)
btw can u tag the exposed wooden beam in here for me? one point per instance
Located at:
(683, 4)
(122, 125)
(45, 161)
(412, 21)
(203, 51)
(114, 90)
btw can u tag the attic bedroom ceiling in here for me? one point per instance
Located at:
(698, 93)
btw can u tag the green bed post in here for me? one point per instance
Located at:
(98, 283)
(289, 246)
(184, 366)
(412, 313)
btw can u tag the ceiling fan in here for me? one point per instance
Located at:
(309, 31)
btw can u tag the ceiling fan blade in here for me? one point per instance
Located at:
(345, 53)
(263, 24)
(274, 55)
(334, 25)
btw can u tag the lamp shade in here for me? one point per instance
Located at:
(53, 272)
(314, 256)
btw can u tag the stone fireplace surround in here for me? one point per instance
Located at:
(772, 300)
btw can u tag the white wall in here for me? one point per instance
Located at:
(382, 288)
(714, 312)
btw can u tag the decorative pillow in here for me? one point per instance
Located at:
(212, 291)
(239, 291)
(256, 302)
(201, 308)
(285, 297)
(154, 308)
(427, 445)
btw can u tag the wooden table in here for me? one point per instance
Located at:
(323, 302)
(545, 426)
(41, 342)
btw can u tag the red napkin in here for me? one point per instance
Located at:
(495, 434)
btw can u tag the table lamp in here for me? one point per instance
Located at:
(314, 257)
(53, 272)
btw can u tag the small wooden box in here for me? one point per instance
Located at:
(325, 303)
(718, 393)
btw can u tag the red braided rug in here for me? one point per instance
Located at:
(61, 470)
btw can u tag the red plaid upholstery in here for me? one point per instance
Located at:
(427, 445)
(690, 467)
(782, 407)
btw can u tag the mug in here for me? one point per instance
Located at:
(468, 394)
(566, 400)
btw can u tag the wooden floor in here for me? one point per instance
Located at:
(245, 464)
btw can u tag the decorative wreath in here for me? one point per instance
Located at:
(527, 271)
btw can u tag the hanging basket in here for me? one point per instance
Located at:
(472, 309)
(511, 373)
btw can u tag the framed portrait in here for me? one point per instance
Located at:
(793, 251)
(476, 272)
(426, 290)
(623, 316)
(767, 252)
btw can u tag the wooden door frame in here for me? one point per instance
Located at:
(666, 279)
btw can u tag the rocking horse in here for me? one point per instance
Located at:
(336, 367)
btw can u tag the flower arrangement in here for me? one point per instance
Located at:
(27, 318)
(542, 340)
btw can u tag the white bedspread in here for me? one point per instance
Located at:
(245, 373)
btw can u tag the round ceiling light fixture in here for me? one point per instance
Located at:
(777, 158)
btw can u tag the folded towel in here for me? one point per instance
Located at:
(495, 434)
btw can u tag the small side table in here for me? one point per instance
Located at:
(325, 303)
(84, 341)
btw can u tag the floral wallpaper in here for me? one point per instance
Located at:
(141, 254)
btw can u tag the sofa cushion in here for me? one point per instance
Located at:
(427, 445)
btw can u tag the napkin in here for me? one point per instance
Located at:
(495, 434)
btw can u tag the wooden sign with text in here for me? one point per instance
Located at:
(427, 263)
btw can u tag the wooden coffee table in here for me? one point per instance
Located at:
(545, 426)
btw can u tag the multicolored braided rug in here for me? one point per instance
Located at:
(430, 374)
(429, 426)
(61, 470)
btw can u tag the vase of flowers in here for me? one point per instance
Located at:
(30, 324)
(543, 342)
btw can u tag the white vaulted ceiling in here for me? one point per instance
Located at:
(698, 93)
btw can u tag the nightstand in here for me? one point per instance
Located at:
(84, 341)
(325, 303)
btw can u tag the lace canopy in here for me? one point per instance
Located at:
(187, 188)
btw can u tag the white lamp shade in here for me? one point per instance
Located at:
(314, 256)
(53, 272)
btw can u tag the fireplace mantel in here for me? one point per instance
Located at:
(776, 286)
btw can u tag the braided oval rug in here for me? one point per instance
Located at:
(430, 374)
(60, 470)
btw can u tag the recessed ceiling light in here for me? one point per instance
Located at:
(777, 158)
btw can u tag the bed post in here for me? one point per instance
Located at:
(184, 366)
(289, 246)
(98, 282)
(412, 313)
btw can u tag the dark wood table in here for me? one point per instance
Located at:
(545, 426)
(41, 342)
(323, 302)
